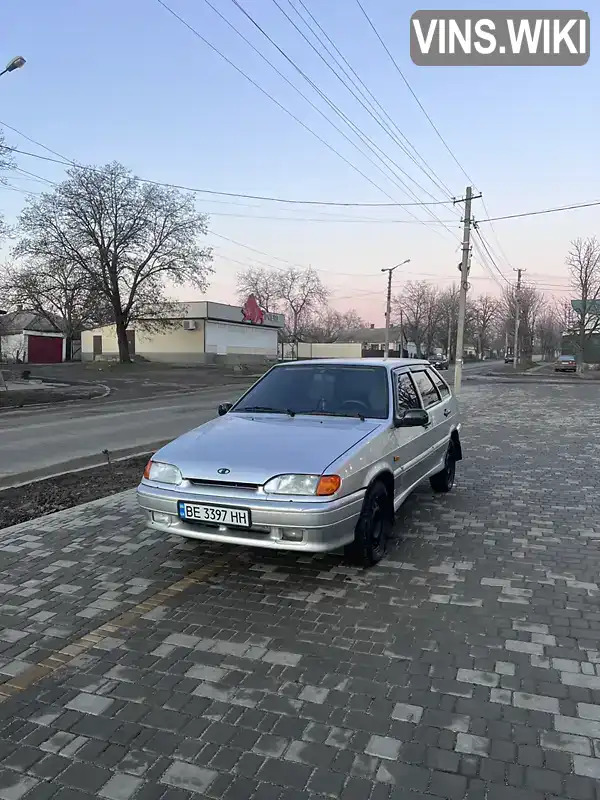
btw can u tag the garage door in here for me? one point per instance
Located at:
(44, 349)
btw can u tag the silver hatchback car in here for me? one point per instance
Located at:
(316, 455)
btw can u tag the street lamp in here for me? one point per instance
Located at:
(15, 63)
(389, 271)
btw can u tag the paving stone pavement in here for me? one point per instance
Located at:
(466, 665)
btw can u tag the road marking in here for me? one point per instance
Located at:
(62, 658)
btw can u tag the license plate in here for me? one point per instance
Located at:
(216, 515)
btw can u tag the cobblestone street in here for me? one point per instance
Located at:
(466, 665)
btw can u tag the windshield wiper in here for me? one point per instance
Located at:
(354, 414)
(266, 410)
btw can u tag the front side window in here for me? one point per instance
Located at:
(406, 394)
(340, 390)
(427, 390)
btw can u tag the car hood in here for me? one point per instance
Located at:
(256, 448)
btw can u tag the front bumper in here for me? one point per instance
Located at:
(324, 525)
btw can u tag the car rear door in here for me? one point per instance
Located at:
(448, 409)
(438, 431)
(410, 445)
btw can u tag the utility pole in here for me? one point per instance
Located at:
(464, 286)
(388, 312)
(517, 317)
(402, 334)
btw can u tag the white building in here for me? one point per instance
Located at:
(197, 333)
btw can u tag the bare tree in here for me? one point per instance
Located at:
(264, 284)
(583, 262)
(296, 293)
(484, 314)
(421, 310)
(328, 325)
(301, 292)
(59, 293)
(130, 239)
(549, 330)
(448, 302)
(531, 304)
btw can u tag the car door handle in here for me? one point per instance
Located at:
(447, 412)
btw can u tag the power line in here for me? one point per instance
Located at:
(350, 89)
(396, 180)
(495, 235)
(35, 176)
(292, 201)
(286, 261)
(9, 187)
(543, 211)
(483, 259)
(489, 254)
(65, 162)
(293, 86)
(270, 96)
(411, 90)
(430, 223)
(337, 110)
(383, 115)
(435, 128)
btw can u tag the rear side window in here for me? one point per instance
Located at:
(439, 383)
(426, 389)
(406, 394)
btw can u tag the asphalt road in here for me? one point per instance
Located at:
(45, 442)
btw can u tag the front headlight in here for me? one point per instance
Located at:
(162, 473)
(321, 485)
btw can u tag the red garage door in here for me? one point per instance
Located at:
(44, 349)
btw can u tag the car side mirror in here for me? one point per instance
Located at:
(224, 408)
(412, 418)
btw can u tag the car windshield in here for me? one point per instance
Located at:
(567, 358)
(341, 390)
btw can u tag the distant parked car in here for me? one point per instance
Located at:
(566, 364)
(439, 362)
(508, 359)
(315, 456)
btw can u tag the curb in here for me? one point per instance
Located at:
(531, 380)
(79, 465)
(59, 403)
(119, 401)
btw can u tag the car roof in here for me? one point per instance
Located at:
(388, 363)
(567, 358)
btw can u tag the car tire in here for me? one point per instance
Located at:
(373, 528)
(443, 482)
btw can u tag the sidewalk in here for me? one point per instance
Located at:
(466, 666)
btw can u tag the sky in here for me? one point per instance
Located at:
(112, 80)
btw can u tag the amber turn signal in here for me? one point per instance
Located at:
(147, 470)
(328, 484)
